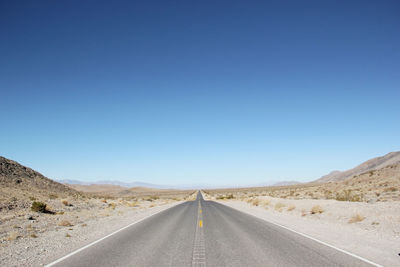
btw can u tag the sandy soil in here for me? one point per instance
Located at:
(369, 230)
(35, 239)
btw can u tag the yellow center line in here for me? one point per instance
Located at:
(201, 223)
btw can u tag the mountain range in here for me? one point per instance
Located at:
(117, 183)
(369, 165)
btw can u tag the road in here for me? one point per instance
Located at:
(206, 233)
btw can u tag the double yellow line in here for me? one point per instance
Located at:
(200, 217)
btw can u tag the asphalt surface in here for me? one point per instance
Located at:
(206, 233)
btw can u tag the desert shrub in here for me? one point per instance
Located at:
(112, 205)
(65, 223)
(328, 194)
(356, 218)
(249, 200)
(390, 189)
(291, 207)
(229, 196)
(53, 196)
(133, 204)
(255, 202)
(65, 202)
(279, 206)
(265, 202)
(152, 198)
(13, 236)
(316, 209)
(39, 207)
(348, 195)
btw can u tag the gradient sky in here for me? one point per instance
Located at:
(189, 92)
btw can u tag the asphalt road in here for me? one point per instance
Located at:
(206, 233)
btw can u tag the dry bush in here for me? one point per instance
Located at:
(33, 235)
(291, 207)
(279, 206)
(13, 236)
(151, 198)
(65, 202)
(67, 235)
(133, 204)
(228, 196)
(390, 189)
(255, 202)
(316, 209)
(265, 202)
(112, 205)
(39, 207)
(356, 218)
(65, 223)
(53, 196)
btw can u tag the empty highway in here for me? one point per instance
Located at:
(206, 233)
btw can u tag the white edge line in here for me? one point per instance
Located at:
(101, 239)
(312, 238)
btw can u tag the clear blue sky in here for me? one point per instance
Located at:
(188, 92)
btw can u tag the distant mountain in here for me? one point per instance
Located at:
(391, 158)
(73, 182)
(97, 188)
(116, 183)
(285, 183)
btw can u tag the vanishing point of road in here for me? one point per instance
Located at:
(206, 233)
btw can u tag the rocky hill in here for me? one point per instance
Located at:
(19, 185)
(377, 163)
